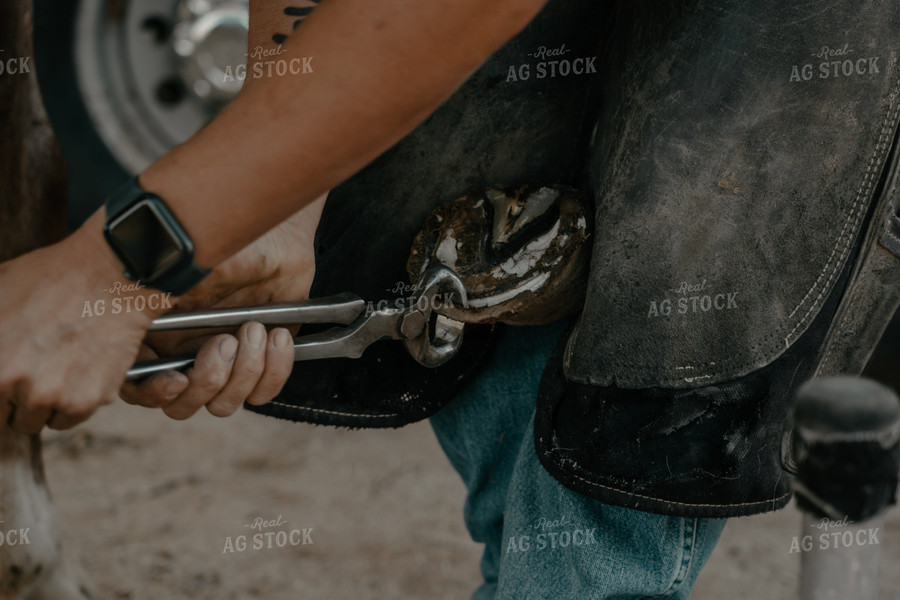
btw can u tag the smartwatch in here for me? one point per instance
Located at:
(152, 245)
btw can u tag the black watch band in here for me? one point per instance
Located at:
(152, 245)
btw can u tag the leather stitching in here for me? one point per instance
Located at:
(333, 412)
(886, 137)
(844, 238)
(634, 495)
(831, 350)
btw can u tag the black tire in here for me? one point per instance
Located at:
(93, 171)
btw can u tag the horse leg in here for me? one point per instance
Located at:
(32, 214)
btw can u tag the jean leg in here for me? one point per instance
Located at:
(562, 545)
(542, 540)
(482, 430)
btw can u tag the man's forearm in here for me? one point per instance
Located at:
(379, 69)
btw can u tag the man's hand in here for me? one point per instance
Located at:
(49, 342)
(250, 365)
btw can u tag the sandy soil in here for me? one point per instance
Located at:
(149, 506)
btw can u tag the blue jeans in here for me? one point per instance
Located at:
(542, 540)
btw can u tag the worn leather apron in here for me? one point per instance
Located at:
(524, 117)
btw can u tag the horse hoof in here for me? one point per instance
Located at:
(521, 252)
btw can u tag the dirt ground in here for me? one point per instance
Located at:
(154, 509)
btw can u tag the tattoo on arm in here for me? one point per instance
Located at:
(300, 12)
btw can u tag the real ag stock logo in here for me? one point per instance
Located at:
(552, 63)
(846, 536)
(268, 535)
(16, 65)
(550, 535)
(122, 302)
(273, 67)
(14, 537)
(836, 62)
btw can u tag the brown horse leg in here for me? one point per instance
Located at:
(32, 214)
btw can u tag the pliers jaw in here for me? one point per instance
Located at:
(440, 337)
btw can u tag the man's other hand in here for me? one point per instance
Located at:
(250, 364)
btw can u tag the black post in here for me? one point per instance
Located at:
(846, 446)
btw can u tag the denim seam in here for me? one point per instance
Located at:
(687, 556)
(632, 494)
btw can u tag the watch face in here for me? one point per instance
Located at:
(146, 242)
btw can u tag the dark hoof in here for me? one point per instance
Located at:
(521, 253)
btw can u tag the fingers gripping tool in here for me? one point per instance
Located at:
(431, 338)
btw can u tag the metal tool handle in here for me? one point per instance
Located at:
(432, 339)
(339, 309)
(152, 367)
(337, 342)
